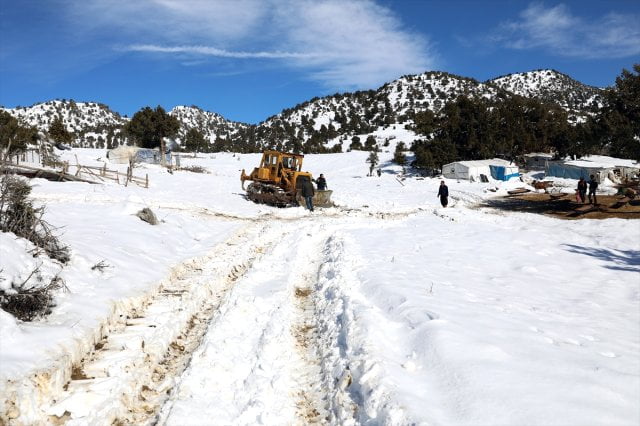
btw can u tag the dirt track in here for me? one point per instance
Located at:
(566, 207)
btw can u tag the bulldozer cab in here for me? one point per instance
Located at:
(274, 163)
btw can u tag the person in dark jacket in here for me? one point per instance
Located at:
(582, 189)
(308, 192)
(443, 193)
(593, 185)
(321, 182)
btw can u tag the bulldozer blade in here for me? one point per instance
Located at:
(323, 198)
(320, 199)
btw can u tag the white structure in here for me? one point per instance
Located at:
(616, 170)
(481, 170)
(125, 154)
(537, 160)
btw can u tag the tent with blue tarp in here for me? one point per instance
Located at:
(504, 172)
(565, 170)
(480, 170)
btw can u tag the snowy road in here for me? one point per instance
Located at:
(255, 332)
(289, 322)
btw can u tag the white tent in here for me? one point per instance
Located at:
(124, 154)
(480, 170)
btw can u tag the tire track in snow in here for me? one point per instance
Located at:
(127, 376)
(243, 373)
(259, 362)
(311, 397)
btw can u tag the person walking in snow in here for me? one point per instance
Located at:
(308, 192)
(593, 186)
(582, 189)
(443, 193)
(321, 182)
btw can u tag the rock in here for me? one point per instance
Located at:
(148, 216)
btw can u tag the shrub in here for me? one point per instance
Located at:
(19, 216)
(28, 303)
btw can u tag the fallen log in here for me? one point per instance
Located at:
(35, 172)
(518, 191)
(557, 195)
(588, 208)
(620, 203)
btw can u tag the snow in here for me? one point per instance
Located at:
(603, 161)
(387, 309)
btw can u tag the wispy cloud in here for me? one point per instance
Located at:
(213, 51)
(343, 44)
(557, 30)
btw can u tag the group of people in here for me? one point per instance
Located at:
(581, 192)
(308, 191)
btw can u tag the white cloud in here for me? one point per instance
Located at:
(213, 51)
(557, 30)
(344, 44)
(355, 43)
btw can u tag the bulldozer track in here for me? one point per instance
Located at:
(134, 373)
(147, 347)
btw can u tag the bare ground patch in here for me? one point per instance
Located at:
(566, 207)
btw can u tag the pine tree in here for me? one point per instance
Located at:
(355, 143)
(14, 135)
(194, 141)
(618, 125)
(148, 128)
(373, 161)
(399, 156)
(58, 132)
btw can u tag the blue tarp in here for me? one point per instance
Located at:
(500, 173)
(567, 171)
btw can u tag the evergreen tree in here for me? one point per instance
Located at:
(58, 132)
(355, 143)
(194, 141)
(149, 127)
(14, 135)
(373, 161)
(370, 143)
(399, 156)
(618, 125)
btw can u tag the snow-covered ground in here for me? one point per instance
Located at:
(387, 309)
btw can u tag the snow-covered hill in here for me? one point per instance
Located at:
(553, 86)
(322, 123)
(210, 124)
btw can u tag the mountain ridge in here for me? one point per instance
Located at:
(320, 119)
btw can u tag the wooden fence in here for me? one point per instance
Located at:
(28, 164)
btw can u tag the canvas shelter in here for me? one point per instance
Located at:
(481, 170)
(601, 167)
(125, 154)
(537, 160)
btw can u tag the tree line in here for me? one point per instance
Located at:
(510, 126)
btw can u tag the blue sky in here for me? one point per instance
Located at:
(249, 59)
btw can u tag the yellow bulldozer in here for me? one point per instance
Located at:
(278, 181)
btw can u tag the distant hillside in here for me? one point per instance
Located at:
(322, 124)
(553, 86)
